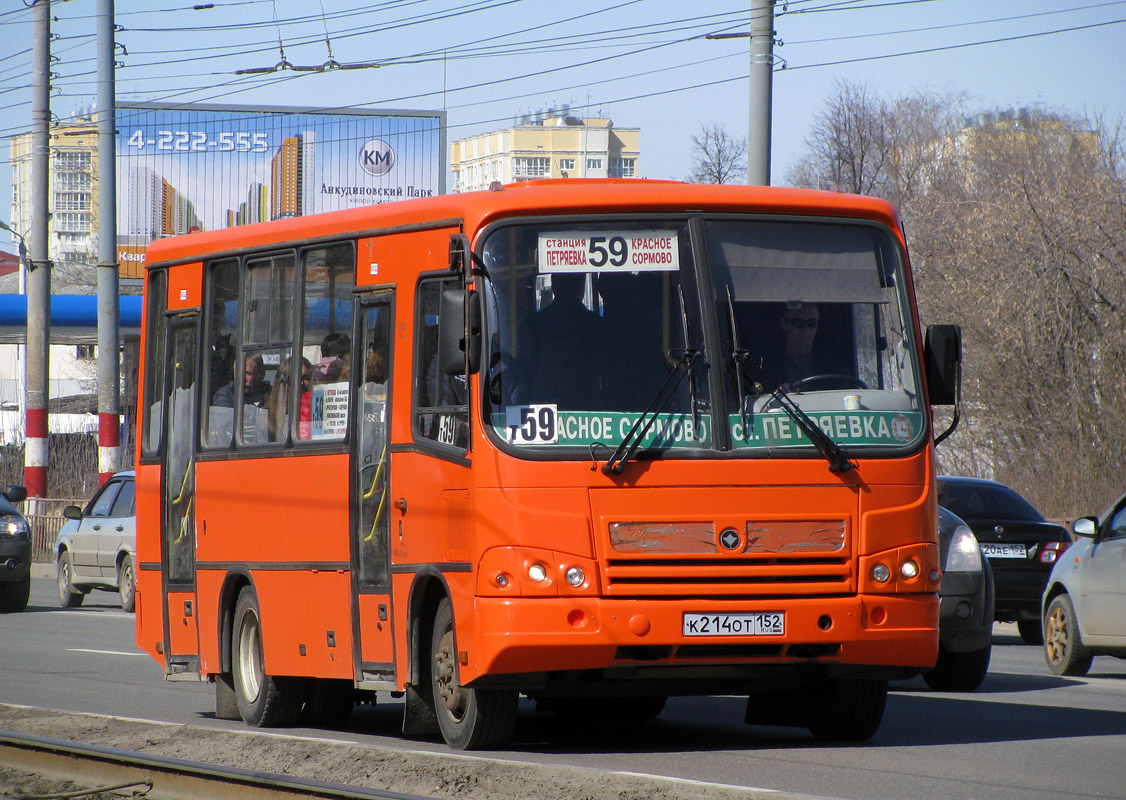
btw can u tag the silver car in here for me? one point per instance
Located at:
(96, 546)
(1086, 595)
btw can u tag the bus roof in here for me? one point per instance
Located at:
(530, 198)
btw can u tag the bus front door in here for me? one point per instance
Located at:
(181, 632)
(371, 568)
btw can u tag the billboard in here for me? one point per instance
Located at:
(204, 167)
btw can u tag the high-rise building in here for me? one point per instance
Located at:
(553, 144)
(292, 176)
(73, 191)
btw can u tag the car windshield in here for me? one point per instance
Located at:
(973, 501)
(594, 326)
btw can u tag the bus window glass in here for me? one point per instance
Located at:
(442, 412)
(815, 309)
(329, 275)
(155, 360)
(266, 345)
(591, 324)
(222, 370)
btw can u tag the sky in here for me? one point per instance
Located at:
(641, 63)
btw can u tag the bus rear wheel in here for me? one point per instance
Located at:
(469, 719)
(263, 700)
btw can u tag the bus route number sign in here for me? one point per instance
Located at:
(609, 251)
(538, 424)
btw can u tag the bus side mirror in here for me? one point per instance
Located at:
(16, 494)
(943, 354)
(456, 338)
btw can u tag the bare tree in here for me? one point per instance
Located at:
(1017, 224)
(717, 156)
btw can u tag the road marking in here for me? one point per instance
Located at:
(103, 652)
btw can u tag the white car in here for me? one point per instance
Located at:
(96, 546)
(1086, 595)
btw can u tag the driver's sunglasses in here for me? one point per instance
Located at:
(802, 323)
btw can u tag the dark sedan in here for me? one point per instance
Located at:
(965, 626)
(1020, 544)
(15, 552)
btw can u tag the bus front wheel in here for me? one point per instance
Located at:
(263, 700)
(470, 719)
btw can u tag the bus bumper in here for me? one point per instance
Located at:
(565, 634)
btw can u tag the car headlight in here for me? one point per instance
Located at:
(14, 525)
(964, 554)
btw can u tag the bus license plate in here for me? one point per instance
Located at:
(763, 623)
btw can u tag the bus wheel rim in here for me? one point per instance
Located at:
(250, 658)
(451, 695)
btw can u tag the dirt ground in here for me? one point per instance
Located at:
(434, 775)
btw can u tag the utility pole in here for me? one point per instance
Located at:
(762, 78)
(37, 388)
(109, 349)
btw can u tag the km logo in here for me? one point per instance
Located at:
(377, 158)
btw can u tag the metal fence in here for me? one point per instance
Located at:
(45, 517)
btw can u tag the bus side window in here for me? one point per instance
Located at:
(221, 370)
(441, 401)
(329, 276)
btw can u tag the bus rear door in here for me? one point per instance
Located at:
(177, 518)
(374, 644)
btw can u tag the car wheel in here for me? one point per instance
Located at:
(1063, 645)
(263, 700)
(14, 595)
(958, 672)
(470, 719)
(127, 584)
(69, 597)
(849, 710)
(1030, 631)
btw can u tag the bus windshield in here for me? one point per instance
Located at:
(595, 325)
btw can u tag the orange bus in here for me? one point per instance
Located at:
(595, 443)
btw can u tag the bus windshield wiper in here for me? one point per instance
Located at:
(636, 434)
(838, 459)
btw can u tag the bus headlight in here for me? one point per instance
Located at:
(537, 573)
(881, 573)
(576, 577)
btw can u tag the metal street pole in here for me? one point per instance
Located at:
(109, 349)
(37, 388)
(761, 87)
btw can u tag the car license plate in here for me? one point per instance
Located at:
(993, 550)
(761, 623)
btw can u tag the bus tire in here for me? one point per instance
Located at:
(263, 700)
(849, 710)
(469, 719)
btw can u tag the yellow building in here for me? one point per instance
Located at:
(73, 190)
(551, 145)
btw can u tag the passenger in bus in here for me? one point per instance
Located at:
(256, 389)
(560, 342)
(336, 350)
(278, 406)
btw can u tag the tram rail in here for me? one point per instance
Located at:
(103, 768)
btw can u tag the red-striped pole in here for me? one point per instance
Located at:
(37, 389)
